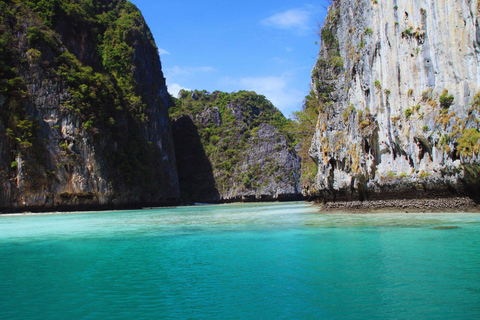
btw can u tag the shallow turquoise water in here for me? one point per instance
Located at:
(243, 261)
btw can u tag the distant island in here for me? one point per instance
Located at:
(233, 147)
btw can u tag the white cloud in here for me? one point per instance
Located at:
(163, 51)
(275, 89)
(176, 75)
(175, 88)
(296, 19)
(176, 70)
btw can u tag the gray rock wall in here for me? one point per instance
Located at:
(230, 147)
(277, 169)
(118, 161)
(385, 73)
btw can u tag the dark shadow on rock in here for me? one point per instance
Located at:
(195, 172)
(472, 180)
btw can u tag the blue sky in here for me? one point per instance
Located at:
(264, 46)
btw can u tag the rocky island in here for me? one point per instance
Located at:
(84, 120)
(398, 90)
(233, 147)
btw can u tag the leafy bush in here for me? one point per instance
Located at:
(476, 99)
(214, 139)
(36, 35)
(407, 33)
(408, 113)
(469, 143)
(365, 123)
(337, 62)
(34, 55)
(424, 174)
(391, 174)
(247, 183)
(328, 38)
(446, 100)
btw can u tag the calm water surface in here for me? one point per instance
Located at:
(242, 261)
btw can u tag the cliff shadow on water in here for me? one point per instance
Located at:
(195, 171)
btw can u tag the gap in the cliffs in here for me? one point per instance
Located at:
(229, 69)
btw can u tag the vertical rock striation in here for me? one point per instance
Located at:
(233, 147)
(84, 120)
(398, 83)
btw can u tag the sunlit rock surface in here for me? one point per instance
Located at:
(233, 147)
(399, 115)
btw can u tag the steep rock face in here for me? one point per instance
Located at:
(399, 112)
(233, 147)
(84, 119)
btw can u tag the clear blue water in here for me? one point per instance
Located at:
(242, 261)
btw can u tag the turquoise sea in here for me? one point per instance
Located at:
(239, 261)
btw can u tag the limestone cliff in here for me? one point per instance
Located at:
(233, 147)
(398, 83)
(84, 120)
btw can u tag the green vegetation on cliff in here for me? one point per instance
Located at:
(303, 128)
(95, 65)
(241, 112)
(243, 136)
(105, 79)
(19, 127)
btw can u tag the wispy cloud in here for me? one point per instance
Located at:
(176, 70)
(175, 88)
(163, 51)
(176, 75)
(295, 19)
(276, 89)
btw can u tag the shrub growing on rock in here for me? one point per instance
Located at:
(446, 100)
